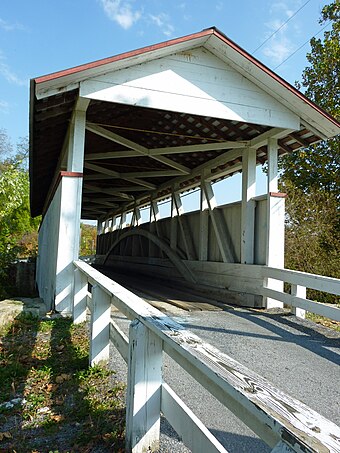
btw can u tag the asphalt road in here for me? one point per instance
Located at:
(297, 356)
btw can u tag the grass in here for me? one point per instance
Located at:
(326, 322)
(57, 403)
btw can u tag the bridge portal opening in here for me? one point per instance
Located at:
(118, 138)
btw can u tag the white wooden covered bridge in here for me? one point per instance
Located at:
(117, 135)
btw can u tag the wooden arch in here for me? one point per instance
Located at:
(173, 257)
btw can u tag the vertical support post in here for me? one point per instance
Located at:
(70, 209)
(99, 227)
(144, 389)
(219, 228)
(137, 216)
(204, 224)
(79, 297)
(100, 326)
(298, 291)
(248, 205)
(114, 223)
(153, 225)
(275, 222)
(106, 226)
(177, 212)
(123, 220)
(174, 221)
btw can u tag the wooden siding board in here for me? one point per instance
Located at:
(197, 82)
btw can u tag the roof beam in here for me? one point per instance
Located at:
(125, 196)
(228, 156)
(104, 204)
(101, 199)
(200, 148)
(143, 174)
(112, 155)
(142, 150)
(275, 132)
(117, 175)
(171, 150)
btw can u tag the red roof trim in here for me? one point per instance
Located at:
(119, 57)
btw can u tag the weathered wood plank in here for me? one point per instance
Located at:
(144, 389)
(100, 325)
(191, 430)
(306, 304)
(120, 340)
(79, 297)
(269, 412)
(312, 281)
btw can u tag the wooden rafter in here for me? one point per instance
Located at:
(125, 196)
(135, 146)
(117, 175)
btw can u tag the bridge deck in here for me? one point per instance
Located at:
(298, 356)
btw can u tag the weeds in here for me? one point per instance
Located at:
(50, 400)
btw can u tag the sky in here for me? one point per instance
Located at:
(38, 37)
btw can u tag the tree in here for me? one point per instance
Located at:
(318, 166)
(311, 176)
(16, 224)
(88, 237)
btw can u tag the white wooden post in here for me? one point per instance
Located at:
(175, 212)
(100, 326)
(275, 222)
(114, 223)
(298, 291)
(123, 221)
(144, 389)
(79, 297)
(99, 227)
(70, 210)
(153, 225)
(248, 205)
(219, 230)
(204, 225)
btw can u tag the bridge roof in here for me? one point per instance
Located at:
(138, 147)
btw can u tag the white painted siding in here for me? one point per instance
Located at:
(195, 82)
(48, 250)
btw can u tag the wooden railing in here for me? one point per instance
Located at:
(299, 281)
(284, 423)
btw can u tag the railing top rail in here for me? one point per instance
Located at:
(313, 281)
(266, 410)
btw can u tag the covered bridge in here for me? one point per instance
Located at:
(124, 133)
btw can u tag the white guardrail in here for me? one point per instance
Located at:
(297, 298)
(284, 423)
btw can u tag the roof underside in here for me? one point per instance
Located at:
(113, 182)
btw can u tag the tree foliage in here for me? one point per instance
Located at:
(18, 231)
(311, 176)
(318, 167)
(88, 237)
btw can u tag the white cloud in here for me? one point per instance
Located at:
(8, 74)
(281, 35)
(162, 21)
(278, 49)
(4, 106)
(275, 24)
(10, 27)
(121, 12)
